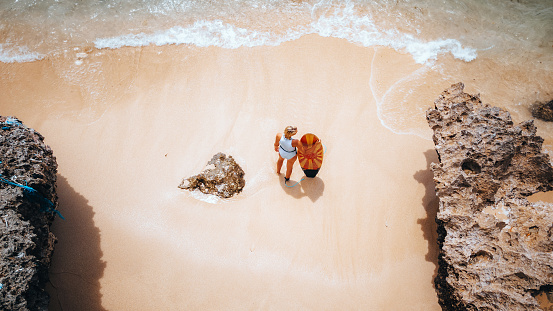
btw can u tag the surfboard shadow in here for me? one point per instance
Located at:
(312, 188)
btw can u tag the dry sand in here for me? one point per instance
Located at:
(127, 125)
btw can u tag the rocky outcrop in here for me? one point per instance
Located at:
(496, 248)
(26, 213)
(542, 111)
(222, 177)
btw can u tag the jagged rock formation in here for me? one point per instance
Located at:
(496, 248)
(26, 243)
(222, 177)
(543, 111)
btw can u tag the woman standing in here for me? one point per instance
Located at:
(287, 149)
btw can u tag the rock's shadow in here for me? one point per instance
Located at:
(430, 202)
(77, 265)
(310, 187)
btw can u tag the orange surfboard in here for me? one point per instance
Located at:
(311, 159)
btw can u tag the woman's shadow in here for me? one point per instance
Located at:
(77, 265)
(310, 187)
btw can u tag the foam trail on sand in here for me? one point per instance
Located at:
(393, 113)
(391, 121)
(17, 54)
(208, 198)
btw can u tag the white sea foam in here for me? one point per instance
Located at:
(344, 23)
(19, 54)
(423, 52)
(216, 33)
(201, 33)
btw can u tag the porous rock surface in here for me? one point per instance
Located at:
(222, 177)
(496, 248)
(543, 111)
(26, 243)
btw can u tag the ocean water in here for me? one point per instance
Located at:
(503, 47)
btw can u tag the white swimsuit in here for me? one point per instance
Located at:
(285, 148)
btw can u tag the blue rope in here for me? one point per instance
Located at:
(294, 184)
(49, 206)
(9, 122)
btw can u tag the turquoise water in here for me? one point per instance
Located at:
(426, 29)
(504, 47)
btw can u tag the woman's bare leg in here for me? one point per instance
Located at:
(279, 163)
(290, 166)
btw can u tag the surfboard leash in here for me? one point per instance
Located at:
(295, 183)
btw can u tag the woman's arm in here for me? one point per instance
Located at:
(277, 141)
(297, 143)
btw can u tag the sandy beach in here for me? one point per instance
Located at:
(127, 125)
(360, 235)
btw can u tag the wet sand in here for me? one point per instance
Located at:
(127, 125)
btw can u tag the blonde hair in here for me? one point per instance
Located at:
(290, 131)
